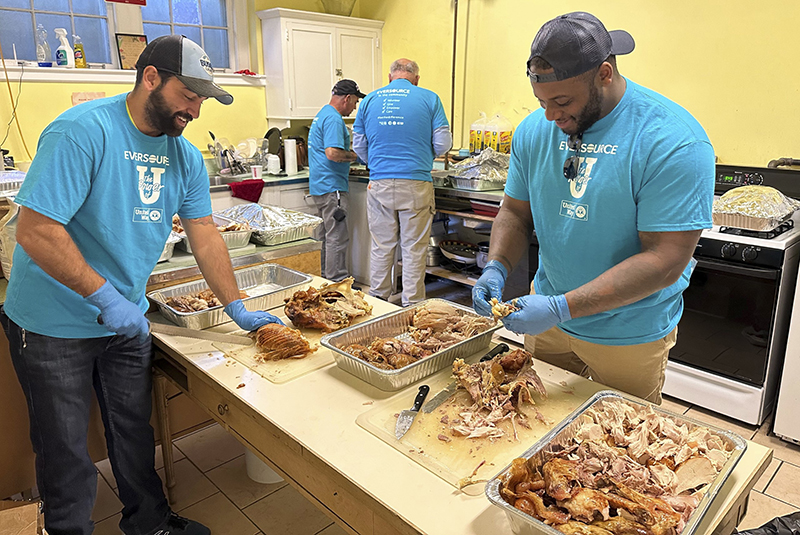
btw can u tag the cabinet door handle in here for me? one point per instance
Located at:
(222, 409)
(339, 72)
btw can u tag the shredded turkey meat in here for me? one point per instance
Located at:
(627, 471)
(434, 327)
(277, 342)
(331, 307)
(500, 309)
(197, 301)
(498, 387)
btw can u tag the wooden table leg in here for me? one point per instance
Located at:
(159, 387)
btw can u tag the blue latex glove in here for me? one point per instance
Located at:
(489, 285)
(118, 314)
(537, 313)
(249, 321)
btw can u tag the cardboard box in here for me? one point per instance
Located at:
(21, 518)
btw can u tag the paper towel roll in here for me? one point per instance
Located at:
(290, 156)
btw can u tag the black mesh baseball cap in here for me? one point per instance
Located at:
(574, 44)
(185, 59)
(347, 87)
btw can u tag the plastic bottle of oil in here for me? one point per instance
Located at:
(505, 130)
(490, 134)
(476, 134)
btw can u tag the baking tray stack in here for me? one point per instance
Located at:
(273, 225)
(395, 325)
(562, 436)
(266, 285)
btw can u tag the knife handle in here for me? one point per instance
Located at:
(420, 399)
(499, 348)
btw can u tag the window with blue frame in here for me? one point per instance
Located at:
(85, 18)
(203, 21)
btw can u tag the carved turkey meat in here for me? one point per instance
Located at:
(276, 342)
(332, 307)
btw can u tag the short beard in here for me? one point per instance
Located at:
(159, 116)
(590, 113)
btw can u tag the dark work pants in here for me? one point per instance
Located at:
(57, 376)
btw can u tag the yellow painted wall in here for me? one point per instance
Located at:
(42, 102)
(729, 62)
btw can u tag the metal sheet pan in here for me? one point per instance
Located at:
(476, 184)
(563, 433)
(266, 285)
(395, 324)
(234, 239)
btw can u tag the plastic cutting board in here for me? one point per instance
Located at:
(459, 457)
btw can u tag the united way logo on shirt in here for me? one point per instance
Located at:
(574, 210)
(143, 214)
(149, 186)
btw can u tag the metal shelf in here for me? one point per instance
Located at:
(469, 215)
(454, 276)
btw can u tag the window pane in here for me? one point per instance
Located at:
(51, 5)
(156, 11)
(192, 32)
(216, 46)
(185, 11)
(155, 30)
(50, 23)
(94, 34)
(89, 7)
(24, 4)
(214, 12)
(17, 31)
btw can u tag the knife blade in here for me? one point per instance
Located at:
(174, 330)
(406, 417)
(448, 391)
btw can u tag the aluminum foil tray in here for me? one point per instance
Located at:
(395, 324)
(476, 184)
(746, 222)
(267, 285)
(234, 239)
(169, 246)
(563, 433)
(273, 225)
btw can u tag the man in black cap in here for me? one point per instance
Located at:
(618, 182)
(329, 158)
(96, 210)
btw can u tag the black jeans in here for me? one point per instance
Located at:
(57, 376)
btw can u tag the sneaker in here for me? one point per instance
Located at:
(177, 525)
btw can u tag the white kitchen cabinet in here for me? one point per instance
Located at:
(306, 53)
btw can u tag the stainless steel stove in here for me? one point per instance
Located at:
(732, 337)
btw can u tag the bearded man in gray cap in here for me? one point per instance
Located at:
(618, 182)
(96, 209)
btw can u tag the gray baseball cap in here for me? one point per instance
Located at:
(575, 43)
(185, 59)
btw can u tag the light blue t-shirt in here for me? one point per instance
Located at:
(398, 121)
(115, 190)
(327, 131)
(648, 166)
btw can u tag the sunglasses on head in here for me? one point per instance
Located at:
(573, 163)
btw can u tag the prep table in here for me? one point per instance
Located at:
(306, 430)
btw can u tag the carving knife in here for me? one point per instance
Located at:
(448, 391)
(406, 417)
(174, 330)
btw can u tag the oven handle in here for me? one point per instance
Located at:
(736, 269)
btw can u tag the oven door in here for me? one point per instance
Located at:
(728, 320)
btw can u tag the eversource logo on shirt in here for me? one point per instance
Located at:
(574, 210)
(147, 215)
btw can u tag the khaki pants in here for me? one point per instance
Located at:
(399, 210)
(636, 369)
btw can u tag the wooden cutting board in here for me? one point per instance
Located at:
(459, 457)
(282, 371)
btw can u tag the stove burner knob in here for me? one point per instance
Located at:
(749, 254)
(756, 179)
(728, 250)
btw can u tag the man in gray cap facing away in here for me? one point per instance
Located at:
(329, 158)
(96, 209)
(618, 182)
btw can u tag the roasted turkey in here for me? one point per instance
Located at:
(277, 342)
(332, 307)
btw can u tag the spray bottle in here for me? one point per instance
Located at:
(80, 57)
(65, 56)
(43, 54)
